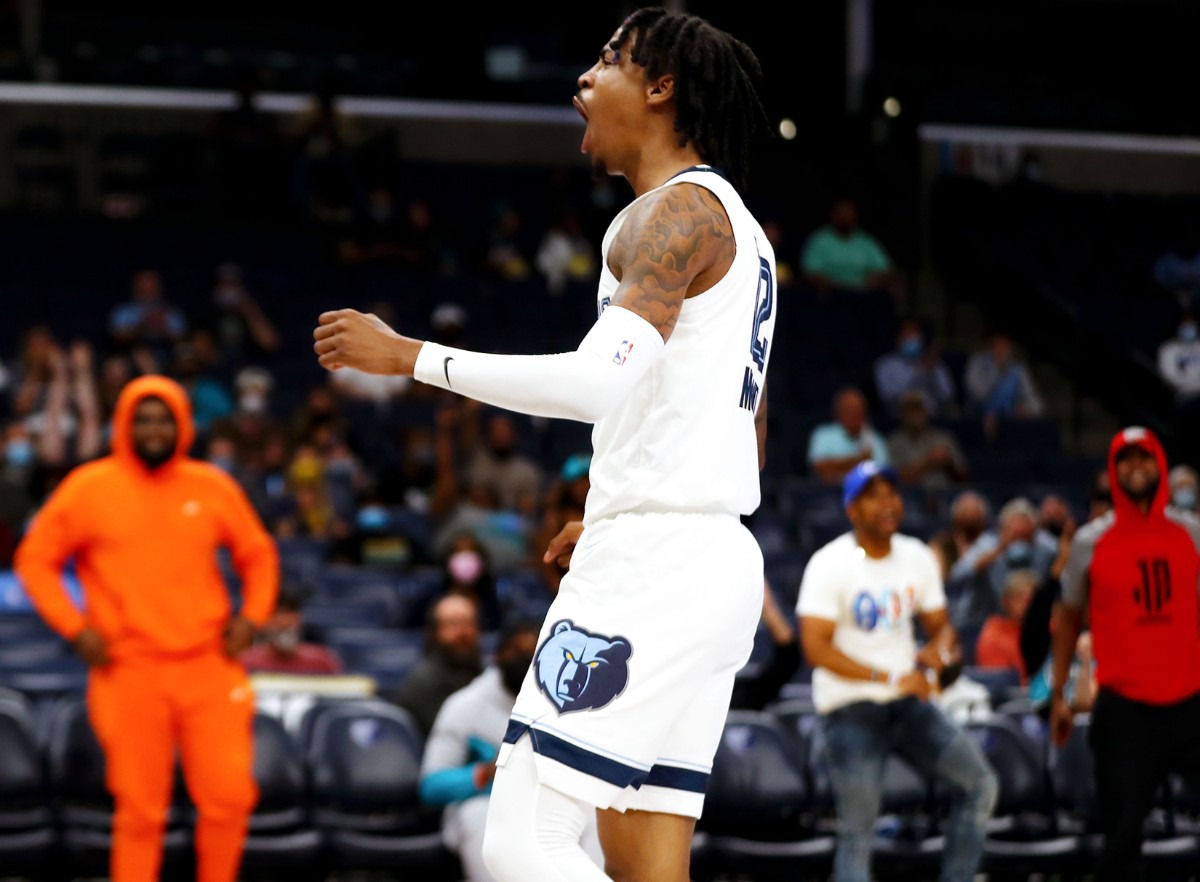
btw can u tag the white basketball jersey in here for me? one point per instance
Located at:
(684, 439)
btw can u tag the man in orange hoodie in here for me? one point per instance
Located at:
(143, 527)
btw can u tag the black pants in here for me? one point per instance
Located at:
(1135, 746)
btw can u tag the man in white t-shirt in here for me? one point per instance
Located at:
(872, 684)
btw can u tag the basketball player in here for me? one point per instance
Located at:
(624, 705)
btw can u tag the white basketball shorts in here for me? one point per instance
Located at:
(629, 689)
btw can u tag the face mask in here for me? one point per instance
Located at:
(911, 347)
(1019, 554)
(253, 402)
(285, 640)
(1188, 333)
(512, 672)
(465, 566)
(1184, 497)
(372, 518)
(19, 453)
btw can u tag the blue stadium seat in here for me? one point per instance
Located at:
(27, 829)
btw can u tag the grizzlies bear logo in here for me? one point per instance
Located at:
(578, 670)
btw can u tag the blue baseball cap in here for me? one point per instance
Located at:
(862, 475)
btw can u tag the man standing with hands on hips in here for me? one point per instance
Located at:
(871, 684)
(143, 527)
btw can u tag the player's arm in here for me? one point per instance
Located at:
(673, 244)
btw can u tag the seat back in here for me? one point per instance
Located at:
(364, 762)
(24, 793)
(1018, 760)
(1072, 775)
(758, 788)
(279, 773)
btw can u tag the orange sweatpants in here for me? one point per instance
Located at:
(144, 710)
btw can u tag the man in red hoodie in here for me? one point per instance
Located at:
(143, 527)
(1134, 572)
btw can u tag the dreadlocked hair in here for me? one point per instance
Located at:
(717, 107)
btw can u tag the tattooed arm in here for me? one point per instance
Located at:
(676, 244)
(673, 245)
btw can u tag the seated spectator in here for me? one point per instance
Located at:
(925, 455)
(969, 515)
(998, 384)
(459, 759)
(565, 253)
(836, 447)
(147, 319)
(914, 366)
(241, 329)
(1184, 484)
(1054, 515)
(1081, 687)
(281, 648)
(211, 401)
(496, 464)
(999, 644)
(842, 255)
(468, 572)
(979, 576)
(453, 658)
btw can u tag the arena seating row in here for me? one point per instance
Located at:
(339, 792)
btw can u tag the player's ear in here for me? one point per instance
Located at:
(661, 89)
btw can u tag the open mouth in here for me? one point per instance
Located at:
(583, 147)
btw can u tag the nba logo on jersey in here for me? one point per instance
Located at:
(622, 352)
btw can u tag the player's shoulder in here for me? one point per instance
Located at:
(91, 476)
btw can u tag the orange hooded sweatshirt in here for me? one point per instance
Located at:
(145, 542)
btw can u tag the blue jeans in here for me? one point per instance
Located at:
(858, 739)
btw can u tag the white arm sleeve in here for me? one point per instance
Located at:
(583, 385)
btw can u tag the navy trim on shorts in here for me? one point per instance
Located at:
(611, 771)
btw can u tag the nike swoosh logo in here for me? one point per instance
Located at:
(446, 367)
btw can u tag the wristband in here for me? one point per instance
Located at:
(893, 679)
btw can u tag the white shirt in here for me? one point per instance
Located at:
(1179, 364)
(684, 439)
(873, 602)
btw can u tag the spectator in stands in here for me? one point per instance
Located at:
(308, 509)
(33, 371)
(459, 760)
(1121, 576)
(281, 647)
(453, 658)
(924, 455)
(148, 319)
(914, 366)
(1080, 689)
(1184, 484)
(1179, 367)
(508, 253)
(969, 515)
(565, 253)
(834, 448)
(242, 330)
(999, 644)
(1054, 514)
(842, 255)
(496, 464)
(998, 384)
(211, 401)
(979, 576)
(68, 429)
(468, 572)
